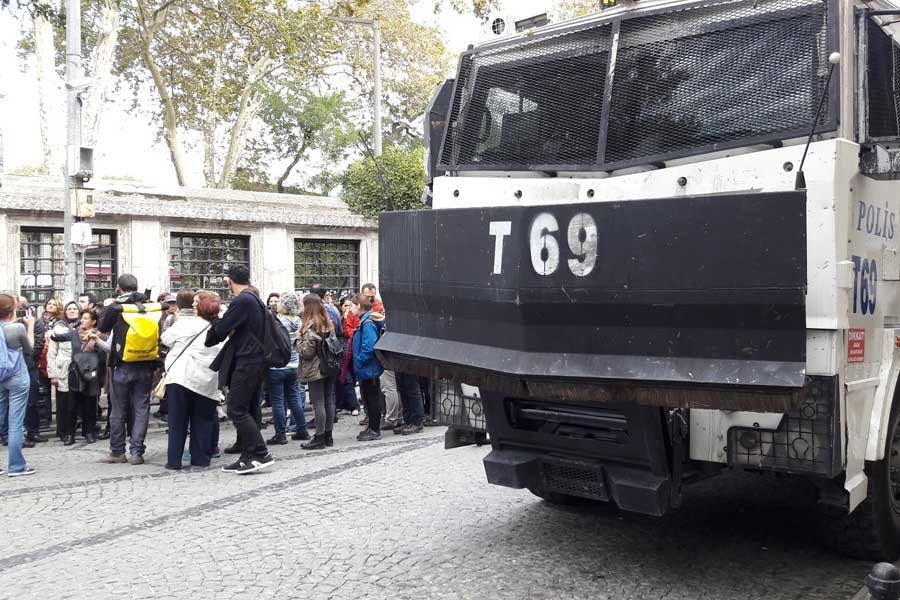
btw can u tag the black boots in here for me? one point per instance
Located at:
(316, 443)
(329, 441)
(70, 440)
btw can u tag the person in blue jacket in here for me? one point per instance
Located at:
(366, 366)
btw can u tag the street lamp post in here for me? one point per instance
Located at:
(375, 24)
(73, 139)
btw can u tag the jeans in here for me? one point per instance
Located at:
(345, 396)
(243, 406)
(131, 387)
(370, 390)
(284, 386)
(410, 398)
(13, 402)
(189, 409)
(321, 395)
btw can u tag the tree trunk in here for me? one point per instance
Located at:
(246, 111)
(102, 59)
(170, 117)
(50, 98)
(287, 172)
(209, 128)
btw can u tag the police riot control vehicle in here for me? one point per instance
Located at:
(665, 241)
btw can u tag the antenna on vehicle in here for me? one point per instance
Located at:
(800, 183)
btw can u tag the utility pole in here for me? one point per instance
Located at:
(376, 69)
(375, 24)
(74, 73)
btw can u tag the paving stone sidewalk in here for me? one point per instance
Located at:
(400, 518)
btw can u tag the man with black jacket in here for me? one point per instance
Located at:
(241, 368)
(132, 382)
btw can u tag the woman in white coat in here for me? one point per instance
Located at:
(192, 389)
(59, 356)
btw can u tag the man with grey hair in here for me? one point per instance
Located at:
(282, 383)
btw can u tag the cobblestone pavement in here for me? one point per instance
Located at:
(400, 518)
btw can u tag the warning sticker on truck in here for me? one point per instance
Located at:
(856, 345)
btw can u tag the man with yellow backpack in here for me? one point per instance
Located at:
(133, 356)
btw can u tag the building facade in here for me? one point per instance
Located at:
(182, 237)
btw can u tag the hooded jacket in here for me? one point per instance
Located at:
(365, 364)
(351, 321)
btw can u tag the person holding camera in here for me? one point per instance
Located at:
(17, 342)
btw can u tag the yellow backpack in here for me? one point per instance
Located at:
(142, 338)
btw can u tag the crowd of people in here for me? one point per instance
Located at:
(196, 355)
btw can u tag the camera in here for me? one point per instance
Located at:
(21, 314)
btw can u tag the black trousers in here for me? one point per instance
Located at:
(62, 414)
(32, 417)
(243, 407)
(370, 390)
(85, 407)
(190, 410)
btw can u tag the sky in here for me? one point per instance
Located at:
(128, 144)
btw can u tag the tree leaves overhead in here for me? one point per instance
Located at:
(480, 8)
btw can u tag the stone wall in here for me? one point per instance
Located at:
(145, 218)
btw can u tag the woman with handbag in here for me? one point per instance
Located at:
(85, 376)
(191, 388)
(315, 328)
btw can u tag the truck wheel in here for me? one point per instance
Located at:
(872, 531)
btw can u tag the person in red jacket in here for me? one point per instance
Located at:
(351, 322)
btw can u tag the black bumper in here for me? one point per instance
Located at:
(692, 301)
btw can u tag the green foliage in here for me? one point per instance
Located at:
(44, 9)
(297, 122)
(480, 8)
(404, 178)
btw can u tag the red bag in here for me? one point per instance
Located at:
(42, 362)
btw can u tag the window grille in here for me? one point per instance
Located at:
(42, 263)
(199, 261)
(333, 263)
(883, 73)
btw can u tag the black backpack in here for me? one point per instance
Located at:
(331, 356)
(276, 342)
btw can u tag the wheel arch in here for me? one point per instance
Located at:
(887, 393)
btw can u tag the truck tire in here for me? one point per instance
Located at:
(872, 531)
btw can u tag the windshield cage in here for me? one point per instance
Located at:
(644, 87)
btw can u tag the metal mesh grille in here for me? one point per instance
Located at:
(574, 481)
(536, 103)
(804, 442)
(451, 407)
(883, 75)
(699, 79)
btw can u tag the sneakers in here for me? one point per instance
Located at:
(354, 413)
(411, 428)
(233, 449)
(216, 452)
(186, 456)
(300, 434)
(232, 468)
(136, 459)
(279, 440)
(255, 464)
(114, 458)
(22, 473)
(368, 435)
(36, 438)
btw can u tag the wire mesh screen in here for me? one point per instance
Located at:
(709, 75)
(697, 79)
(452, 407)
(883, 73)
(536, 103)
